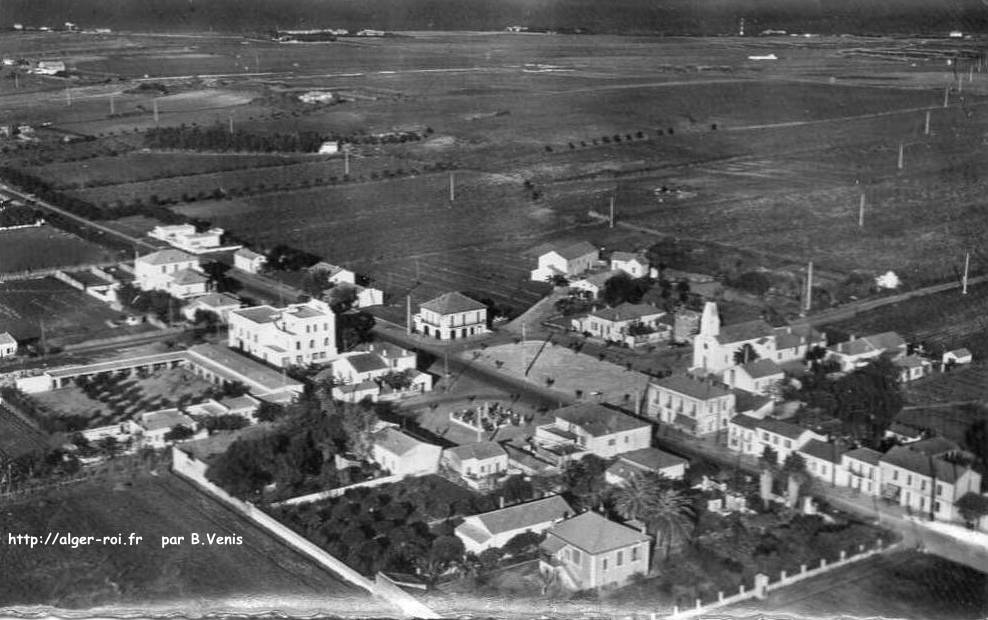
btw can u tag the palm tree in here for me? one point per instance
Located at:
(672, 516)
(634, 499)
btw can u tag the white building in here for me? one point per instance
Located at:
(185, 237)
(925, 476)
(592, 285)
(334, 273)
(452, 316)
(912, 367)
(596, 429)
(565, 260)
(495, 528)
(862, 471)
(957, 357)
(699, 406)
(8, 345)
(364, 373)
(248, 260)
(480, 465)
(646, 460)
(758, 377)
(303, 333)
(631, 324)
(173, 271)
(156, 424)
(858, 352)
(402, 455)
(751, 436)
(49, 67)
(633, 264)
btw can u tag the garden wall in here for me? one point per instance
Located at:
(331, 493)
(194, 471)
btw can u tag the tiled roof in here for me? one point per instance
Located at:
(188, 276)
(248, 254)
(741, 332)
(625, 257)
(452, 303)
(652, 459)
(779, 427)
(924, 464)
(479, 450)
(886, 341)
(6, 338)
(692, 386)
(905, 430)
(910, 361)
(877, 342)
(746, 401)
(228, 363)
(521, 516)
(575, 250)
(934, 446)
(216, 300)
(627, 312)
(822, 450)
(745, 421)
(598, 420)
(239, 403)
(384, 349)
(600, 278)
(962, 352)
(167, 257)
(395, 441)
(595, 534)
(761, 368)
(366, 362)
(792, 336)
(865, 455)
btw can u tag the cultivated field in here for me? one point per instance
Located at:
(45, 247)
(963, 383)
(17, 437)
(260, 572)
(68, 314)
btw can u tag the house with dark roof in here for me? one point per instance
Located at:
(751, 436)
(858, 352)
(631, 324)
(699, 406)
(564, 259)
(590, 551)
(404, 455)
(481, 465)
(488, 530)
(861, 470)
(451, 316)
(824, 461)
(646, 460)
(592, 284)
(594, 428)
(928, 476)
(217, 304)
(759, 376)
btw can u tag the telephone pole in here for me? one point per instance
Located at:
(452, 188)
(612, 212)
(346, 161)
(926, 127)
(946, 96)
(967, 266)
(861, 212)
(900, 156)
(155, 112)
(809, 287)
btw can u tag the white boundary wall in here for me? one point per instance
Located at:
(194, 470)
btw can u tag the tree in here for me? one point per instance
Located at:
(976, 441)
(769, 459)
(670, 515)
(522, 543)
(444, 552)
(623, 288)
(746, 354)
(754, 282)
(342, 297)
(517, 489)
(584, 481)
(178, 433)
(972, 507)
(399, 380)
(354, 328)
(634, 499)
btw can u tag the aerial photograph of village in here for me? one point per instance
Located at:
(631, 310)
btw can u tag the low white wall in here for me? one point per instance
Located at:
(194, 470)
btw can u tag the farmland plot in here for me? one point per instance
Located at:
(45, 247)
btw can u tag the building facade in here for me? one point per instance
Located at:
(303, 333)
(452, 316)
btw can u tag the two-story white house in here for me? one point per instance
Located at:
(495, 528)
(248, 260)
(861, 467)
(173, 271)
(185, 237)
(761, 376)
(590, 551)
(452, 316)
(596, 429)
(825, 461)
(632, 324)
(303, 333)
(564, 259)
(751, 436)
(480, 464)
(858, 352)
(633, 264)
(371, 370)
(928, 476)
(699, 406)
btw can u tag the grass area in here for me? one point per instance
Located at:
(68, 314)
(17, 437)
(964, 383)
(259, 572)
(567, 370)
(45, 247)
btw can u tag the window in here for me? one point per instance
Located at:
(764, 436)
(325, 327)
(634, 554)
(620, 558)
(787, 443)
(909, 480)
(604, 564)
(922, 485)
(312, 344)
(574, 555)
(823, 469)
(936, 506)
(326, 342)
(895, 474)
(775, 441)
(611, 442)
(939, 490)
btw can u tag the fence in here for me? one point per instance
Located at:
(331, 493)
(36, 274)
(194, 471)
(763, 584)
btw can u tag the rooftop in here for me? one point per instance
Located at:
(239, 403)
(601, 277)
(595, 534)
(188, 276)
(365, 362)
(167, 257)
(742, 332)
(570, 251)
(598, 420)
(88, 278)
(693, 386)
(522, 516)
(924, 464)
(625, 257)
(627, 312)
(384, 349)
(779, 427)
(259, 314)
(652, 459)
(6, 338)
(746, 401)
(480, 450)
(451, 303)
(395, 441)
(248, 254)
(216, 300)
(865, 455)
(229, 364)
(165, 419)
(761, 368)
(822, 450)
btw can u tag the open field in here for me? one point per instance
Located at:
(68, 314)
(17, 437)
(950, 421)
(260, 572)
(45, 247)
(964, 383)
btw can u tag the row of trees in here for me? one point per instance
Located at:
(18, 215)
(219, 138)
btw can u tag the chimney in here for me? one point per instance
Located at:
(851, 338)
(501, 502)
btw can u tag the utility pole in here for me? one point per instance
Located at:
(346, 161)
(112, 109)
(408, 314)
(946, 96)
(452, 188)
(231, 124)
(967, 266)
(68, 96)
(155, 112)
(861, 212)
(926, 127)
(900, 156)
(612, 212)
(809, 287)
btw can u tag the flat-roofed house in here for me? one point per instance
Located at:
(590, 551)
(564, 259)
(495, 528)
(646, 460)
(303, 333)
(699, 406)
(402, 455)
(451, 316)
